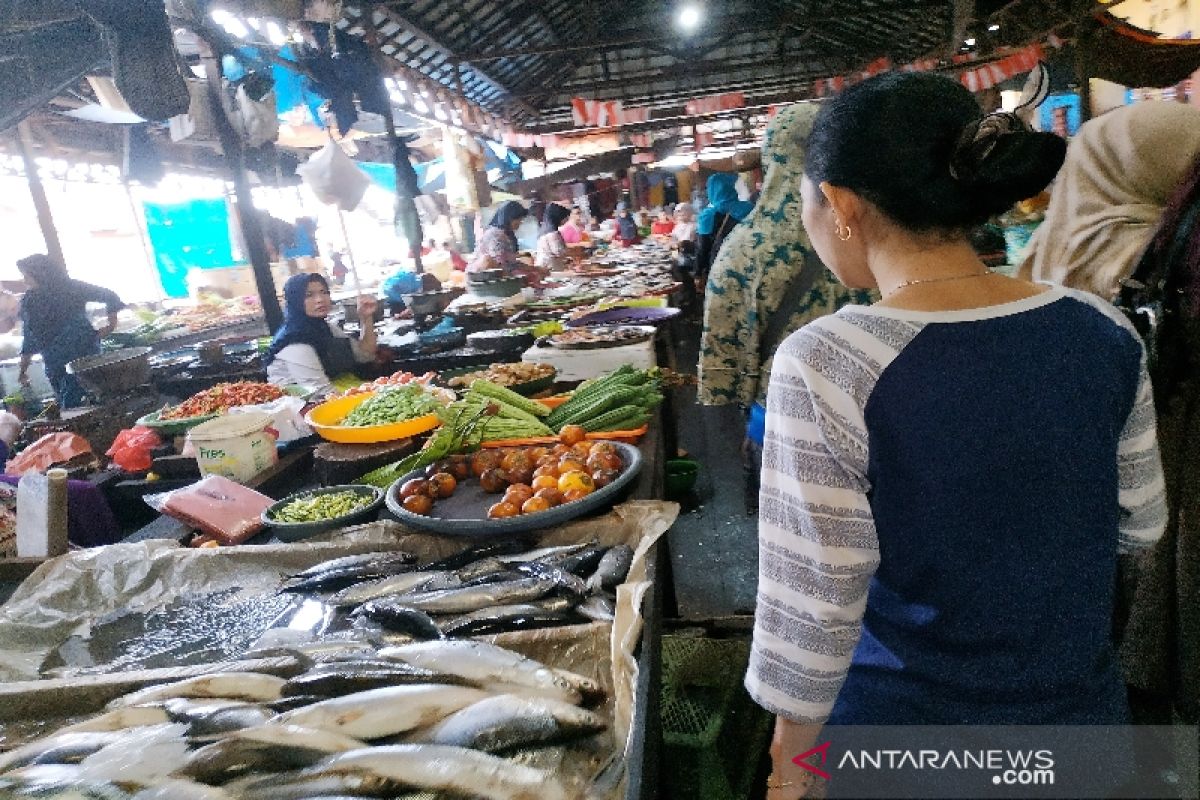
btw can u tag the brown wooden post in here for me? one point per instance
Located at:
(248, 219)
(38, 192)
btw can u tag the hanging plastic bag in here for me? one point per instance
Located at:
(257, 119)
(334, 177)
(226, 511)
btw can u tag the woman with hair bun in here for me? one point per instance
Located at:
(948, 474)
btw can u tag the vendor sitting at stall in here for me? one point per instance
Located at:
(55, 324)
(551, 248)
(497, 247)
(627, 229)
(310, 351)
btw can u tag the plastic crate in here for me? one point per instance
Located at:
(714, 735)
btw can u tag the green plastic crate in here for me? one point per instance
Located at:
(714, 735)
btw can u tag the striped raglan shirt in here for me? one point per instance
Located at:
(911, 460)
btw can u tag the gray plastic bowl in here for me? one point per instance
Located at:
(295, 531)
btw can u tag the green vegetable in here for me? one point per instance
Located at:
(320, 507)
(603, 401)
(392, 405)
(615, 420)
(458, 432)
(509, 397)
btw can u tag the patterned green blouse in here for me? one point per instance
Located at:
(750, 275)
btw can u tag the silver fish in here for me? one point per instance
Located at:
(348, 679)
(612, 569)
(65, 748)
(210, 717)
(250, 686)
(473, 598)
(543, 552)
(378, 713)
(297, 786)
(264, 748)
(383, 587)
(478, 553)
(398, 617)
(571, 585)
(598, 607)
(182, 790)
(357, 562)
(487, 664)
(502, 619)
(447, 769)
(507, 722)
(582, 562)
(119, 719)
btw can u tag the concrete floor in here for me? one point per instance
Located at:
(714, 545)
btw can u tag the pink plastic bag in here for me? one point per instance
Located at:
(217, 506)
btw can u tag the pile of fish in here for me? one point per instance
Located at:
(486, 589)
(442, 716)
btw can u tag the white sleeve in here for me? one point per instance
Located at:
(817, 542)
(1142, 493)
(303, 365)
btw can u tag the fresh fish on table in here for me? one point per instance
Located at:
(211, 717)
(487, 664)
(599, 608)
(350, 679)
(478, 552)
(543, 553)
(473, 598)
(502, 620)
(582, 562)
(119, 719)
(571, 585)
(483, 568)
(365, 560)
(285, 704)
(182, 790)
(299, 786)
(335, 579)
(250, 686)
(378, 713)
(361, 593)
(263, 749)
(507, 722)
(64, 748)
(449, 769)
(612, 569)
(400, 618)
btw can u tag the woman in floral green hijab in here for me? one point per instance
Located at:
(759, 270)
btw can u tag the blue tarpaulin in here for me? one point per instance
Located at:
(185, 236)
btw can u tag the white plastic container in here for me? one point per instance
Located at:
(237, 446)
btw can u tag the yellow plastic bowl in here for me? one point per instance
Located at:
(326, 417)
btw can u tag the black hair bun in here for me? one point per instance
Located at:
(999, 162)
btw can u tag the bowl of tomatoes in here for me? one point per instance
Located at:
(504, 491)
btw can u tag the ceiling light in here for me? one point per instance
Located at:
(275, 34)
(970, 42)
(689, 17)
(993, 27)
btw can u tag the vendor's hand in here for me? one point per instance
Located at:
(367, 306)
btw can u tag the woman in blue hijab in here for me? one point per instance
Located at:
(310, 351)
(723, 212)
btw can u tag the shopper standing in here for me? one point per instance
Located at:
(948, 474)
(56, 325)
(717, 220)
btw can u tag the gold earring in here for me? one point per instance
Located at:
(843, 232)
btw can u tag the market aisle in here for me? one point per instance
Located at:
(714, 545)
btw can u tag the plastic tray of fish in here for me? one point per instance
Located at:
(404, 705)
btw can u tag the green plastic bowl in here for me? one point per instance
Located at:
(681, 476)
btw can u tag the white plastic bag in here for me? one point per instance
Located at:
(286, 417)
(257, 119)
(334, 177)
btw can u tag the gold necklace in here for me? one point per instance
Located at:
(906, 284)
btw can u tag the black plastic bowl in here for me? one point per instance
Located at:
(294, 531)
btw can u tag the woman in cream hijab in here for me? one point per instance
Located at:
(1119, 175)
(1131, 185)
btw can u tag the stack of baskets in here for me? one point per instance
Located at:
(714, 735)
